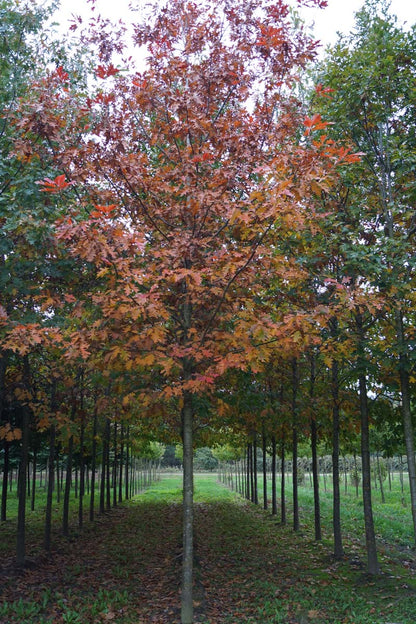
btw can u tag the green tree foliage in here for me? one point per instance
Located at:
(368, 82)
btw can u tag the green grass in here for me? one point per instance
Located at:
(126, 566)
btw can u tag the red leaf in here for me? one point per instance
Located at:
(103, 71)
(54, 186)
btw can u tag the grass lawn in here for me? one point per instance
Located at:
(126, 567)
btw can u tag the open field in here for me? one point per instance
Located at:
(125, 567)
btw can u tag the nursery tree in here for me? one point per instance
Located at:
(190, 175)
(369, 77)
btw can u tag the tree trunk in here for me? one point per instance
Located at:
(5, 483)
(295, 445)
(107, 463)
(314, 445)
(68, 480)
(315, 474)
(256, 491)
(187, 608)
(370, 538)
(6, 444)
(58, 480)
(120, 476)
(34, 468)
(126, 470)
(336, 503)
(274, 496)
(81, 472)
(103, 473)
(252, 496)
(407, 414)
(51, 479)
(282, 483)
(264, 470)
(380, 479)
(24, 455)
(115, 467)
(93, 461)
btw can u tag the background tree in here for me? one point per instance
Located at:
(371, 73)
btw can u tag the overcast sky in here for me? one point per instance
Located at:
(337, 17)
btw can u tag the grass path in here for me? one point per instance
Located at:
(126, 569)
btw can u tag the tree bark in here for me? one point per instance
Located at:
(115, 466)
(81, 472)
(107, 463)
(67, 492)
(407, 414)
(120, 476)
(6, 444)
(274, 494)
(370, 537)
(336, 501)
(24, 455)
(314, 445)
(256, 491)
(5, 482)
(187, 608)
(126, 469)
(282, 483)
(34, 468)
(264, 470)
(51, 479)
(315, 475)
(295, 445)
(103, 473)
(93, 461)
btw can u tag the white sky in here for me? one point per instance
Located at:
(337, 17)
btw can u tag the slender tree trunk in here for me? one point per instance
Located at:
(188, 492)
(264, 470)
(356, 475)
(5, 483)
(81, 472)
(314, 449)
(252, 496)
(28, 477)
(115, 466)
(248, 473)
(315, 474)
(34, 468)
(282, 483)
(120, 476)
(380, 479)
(93, 461)
(107, 462)
(295, 445)
(24, 456)
(103, 473)
(126, 471)
(67, 492)
(256, 491)
(406, 413)
(274, 493)
(6, 444)
(370, 537)
(58, 480)
(336, 503)
(51, 479)
(389, 472)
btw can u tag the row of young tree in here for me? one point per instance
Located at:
(206, 246)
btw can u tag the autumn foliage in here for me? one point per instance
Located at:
(185, 190)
